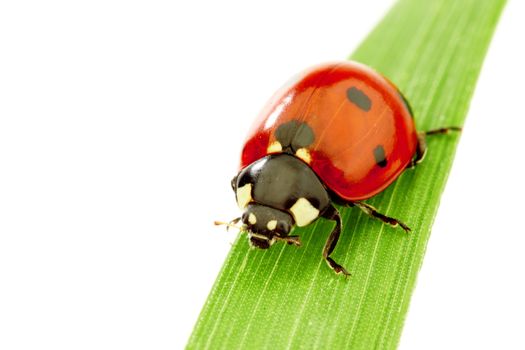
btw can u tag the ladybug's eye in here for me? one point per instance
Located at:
(244, 218)
(283, 227)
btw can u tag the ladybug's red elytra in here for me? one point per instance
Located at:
(339, 133)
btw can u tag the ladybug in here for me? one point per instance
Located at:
(338, 133)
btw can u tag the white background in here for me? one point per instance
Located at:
(121, 125)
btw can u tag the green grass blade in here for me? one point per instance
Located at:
(286, 297)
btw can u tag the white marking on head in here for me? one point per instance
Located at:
(275, 147)
(304, 154)
(271, 225)
(252, 219)
(244, 195)
(304, 212)
(256, 235)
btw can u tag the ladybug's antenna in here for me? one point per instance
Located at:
(230, 224)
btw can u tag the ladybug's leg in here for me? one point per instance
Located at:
(371, 211)
(295, 240)
(441, 131)
(333, 214)
(421, 150)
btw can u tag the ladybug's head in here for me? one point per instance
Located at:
(266, 224)
(276, 193)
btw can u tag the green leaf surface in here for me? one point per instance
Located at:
(287, 297)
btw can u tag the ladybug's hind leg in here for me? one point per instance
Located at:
(333, 214)
(371, 211)
(421, 149)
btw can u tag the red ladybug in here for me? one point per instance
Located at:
(340, 133)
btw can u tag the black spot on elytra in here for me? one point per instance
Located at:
(379, 155)
(359, 98)
(294, 134)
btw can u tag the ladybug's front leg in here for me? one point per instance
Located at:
(371, 211)
(333, 214)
